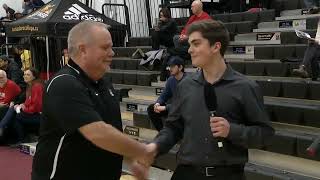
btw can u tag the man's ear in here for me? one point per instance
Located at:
(215, 48)
(82, 48)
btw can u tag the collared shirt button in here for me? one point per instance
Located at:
(207, 157)
(205, 139)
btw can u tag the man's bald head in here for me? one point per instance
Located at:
(197, 7)
(3, 78)
(82, 33)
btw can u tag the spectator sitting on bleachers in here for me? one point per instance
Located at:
(25, 57)
(12, 69)
(30, 5)
(9, 90)
(159, 111)
(311, 57)
(164, 30)
(28, 112)
(27, 7)
(9, 12)
(37, 4)
(198, 15)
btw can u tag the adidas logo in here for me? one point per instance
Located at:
(74, 12)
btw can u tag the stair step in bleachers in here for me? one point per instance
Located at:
(266, 51)
(264, 67)
(139, 41)
(262, 16)
(128, 51)
(132, 77)
(294, 12)
(285, 37)
(285, 25)
(290, 17)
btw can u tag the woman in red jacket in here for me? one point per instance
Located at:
(27, 113)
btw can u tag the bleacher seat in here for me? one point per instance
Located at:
(130, 78)
(245, 27)
(292, 89)
(263, 52)
(277, 69)
(270, 87)
(248, 16)
(255, 69)
(283, 143)
(282, 52)
(117, 77)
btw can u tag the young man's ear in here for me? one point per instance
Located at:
(216, 47)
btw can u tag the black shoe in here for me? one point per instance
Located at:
(313, 10)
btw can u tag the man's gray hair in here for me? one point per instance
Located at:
(82, 32)
(5, 6)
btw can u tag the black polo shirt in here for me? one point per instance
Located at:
(72, 100)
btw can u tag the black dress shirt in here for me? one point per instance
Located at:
(239, 100)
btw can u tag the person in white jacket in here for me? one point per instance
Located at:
(311, 58)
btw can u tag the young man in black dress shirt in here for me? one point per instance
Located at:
(241, 121)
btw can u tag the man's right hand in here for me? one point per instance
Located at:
(159, 109)
(140, 166)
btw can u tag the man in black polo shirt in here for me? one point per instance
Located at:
(81, 131)
(213, 147)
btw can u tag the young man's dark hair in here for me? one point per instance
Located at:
(212, 30)
(166, 12)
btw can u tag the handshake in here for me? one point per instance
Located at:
(140, 165)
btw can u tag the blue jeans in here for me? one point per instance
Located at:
(311, 3)
(7, 119)
(25, 119)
